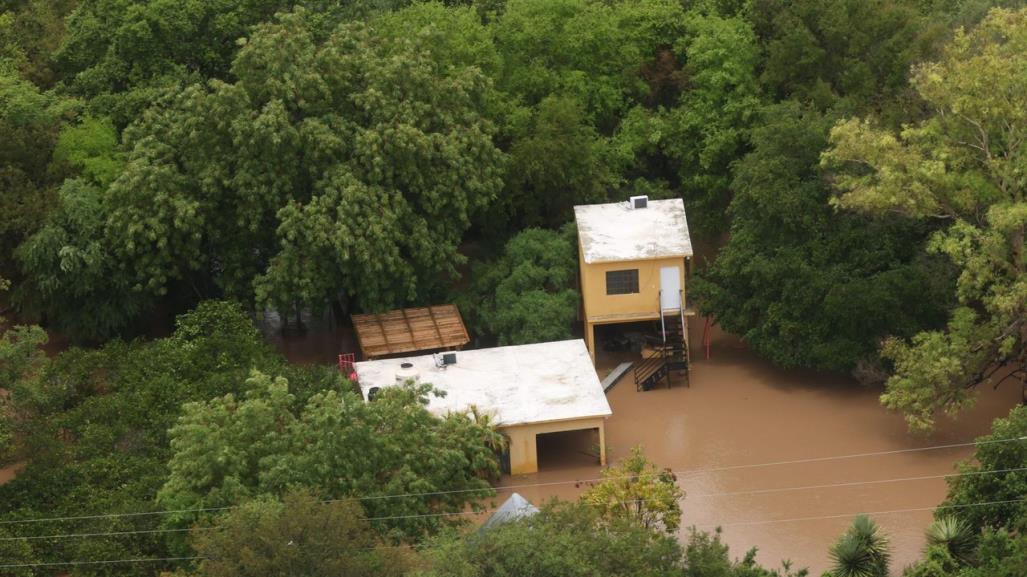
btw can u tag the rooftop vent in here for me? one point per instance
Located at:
(636, 202)
(407, 372)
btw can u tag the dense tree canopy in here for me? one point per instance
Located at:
(263, 441)
(30, 121)
(807, 286)
(295, 155)
(995, 474)
(298, 535)
(527, 294)
(965, 167)
(95, 423)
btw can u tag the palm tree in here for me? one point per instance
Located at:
(953, 535)
(862, 551)
(491, 436)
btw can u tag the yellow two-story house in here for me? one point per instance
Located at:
(633, 261)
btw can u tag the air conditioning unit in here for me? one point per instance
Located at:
(637, 202)
(443, 360)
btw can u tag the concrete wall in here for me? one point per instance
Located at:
(524, 449)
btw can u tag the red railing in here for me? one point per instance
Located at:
(346, 361)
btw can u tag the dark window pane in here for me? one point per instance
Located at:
(622, 282)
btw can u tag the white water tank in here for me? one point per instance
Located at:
(407, 372)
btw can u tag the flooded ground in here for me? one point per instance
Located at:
(10, 471)
(741, 411)
(319, 341)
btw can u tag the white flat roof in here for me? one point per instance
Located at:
(614, 232)
(518, 384)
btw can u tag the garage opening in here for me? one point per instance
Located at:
(568, 449)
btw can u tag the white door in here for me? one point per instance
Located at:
(670, 287)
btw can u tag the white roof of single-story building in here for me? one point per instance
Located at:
(518, 385)
(616, 232)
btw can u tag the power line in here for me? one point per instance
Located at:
(482, 512)
(545, 484)
(107, 534)
(767, 522)
(844, 515)
(854, 483)
(67, 563)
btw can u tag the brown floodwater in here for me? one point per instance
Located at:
(738, 411)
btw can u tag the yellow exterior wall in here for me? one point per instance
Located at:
(601, 308)
(524, 449)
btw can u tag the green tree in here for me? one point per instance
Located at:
(21, 357)
(122, 55)
(30, 32)
(72, 277)
(95, 423)
(558, 164)
(636, 490)
(953, 535)
(992, 475)
(17, 552)
(999, 553)
(563, 540)
(803, 284)
(707, 556)
(862, 551)
(853, 55)
(29, 121)
(265, 441)
(527, 295)
(963, 166)
(90, 147)
(591, 51)
(334, 169)
(297, 535)
(708, 129)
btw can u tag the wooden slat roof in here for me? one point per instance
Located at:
(408, 330)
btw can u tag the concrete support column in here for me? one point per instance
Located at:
(590, 340)
(523, 452)
(602, 443)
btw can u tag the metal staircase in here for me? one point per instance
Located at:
(671, 353)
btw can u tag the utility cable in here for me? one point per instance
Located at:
(767, 522)
(545, 484)
(460, 513)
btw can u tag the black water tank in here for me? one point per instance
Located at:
(372, 393)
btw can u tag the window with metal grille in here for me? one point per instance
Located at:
(622, 282)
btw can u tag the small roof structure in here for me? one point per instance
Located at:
(520, 384)
(409, 330)
(514, 508)
(616, 232)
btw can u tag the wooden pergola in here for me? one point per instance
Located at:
(408, 330)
